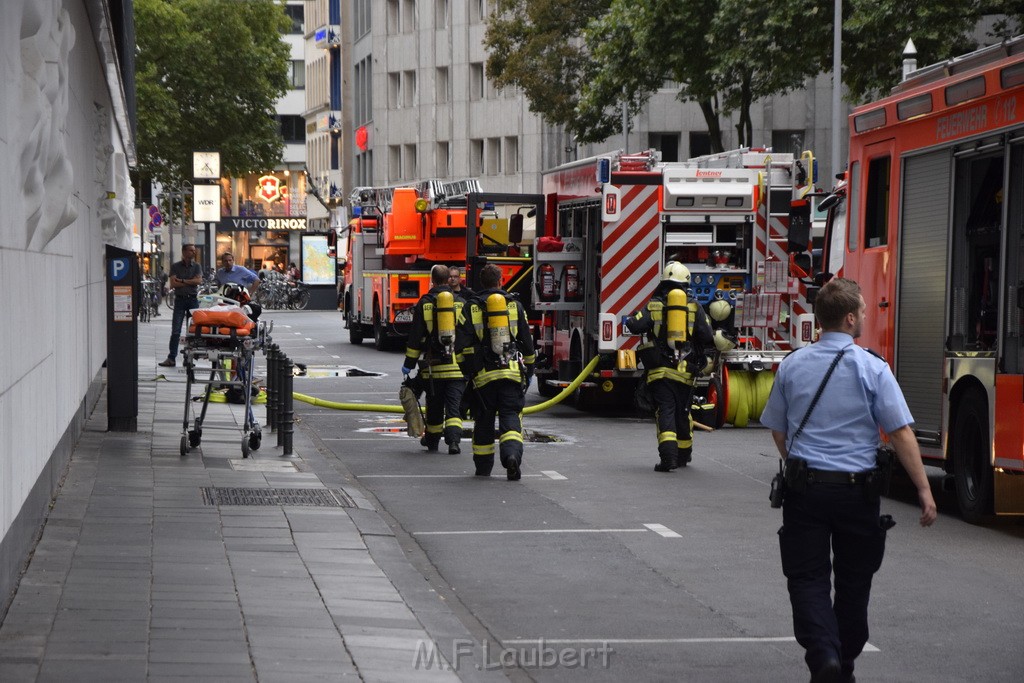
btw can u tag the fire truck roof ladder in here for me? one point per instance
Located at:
(440, 193)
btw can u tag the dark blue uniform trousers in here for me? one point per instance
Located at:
(839, 515)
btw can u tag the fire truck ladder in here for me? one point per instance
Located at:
(440, 194)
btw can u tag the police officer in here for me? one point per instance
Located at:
(677, 332)
(496, 352)
(833, 524)
(433, 333)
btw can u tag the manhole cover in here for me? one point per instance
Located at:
(324, 498)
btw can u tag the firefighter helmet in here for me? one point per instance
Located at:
(676, 272)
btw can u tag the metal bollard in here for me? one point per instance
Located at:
(288, 417)
(282, 366)
(272, 384)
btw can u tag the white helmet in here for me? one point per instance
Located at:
(676, 272)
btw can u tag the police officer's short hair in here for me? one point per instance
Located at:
(490, 276)
(439, 275)
(836, 299)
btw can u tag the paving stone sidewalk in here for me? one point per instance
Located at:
(137, 576)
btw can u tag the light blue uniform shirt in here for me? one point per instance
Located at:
(861, 396)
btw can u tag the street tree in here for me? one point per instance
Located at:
(580, 62)
(208, 76)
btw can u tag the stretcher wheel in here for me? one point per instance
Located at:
(255, 441)
(195, 437)
(183, 446)
(245, 446)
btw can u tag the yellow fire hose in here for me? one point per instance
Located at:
(380, 408)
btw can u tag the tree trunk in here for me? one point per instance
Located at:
(745, 126)
(707, 107)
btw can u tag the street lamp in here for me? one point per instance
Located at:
(837, 82)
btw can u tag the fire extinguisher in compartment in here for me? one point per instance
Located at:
(573, 290)
(547, 286)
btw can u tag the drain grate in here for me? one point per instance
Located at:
(324, 498)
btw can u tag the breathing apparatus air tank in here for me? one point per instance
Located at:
(498, 325)
(675, 319)
(444, 315)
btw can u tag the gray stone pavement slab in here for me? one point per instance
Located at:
(135, 577)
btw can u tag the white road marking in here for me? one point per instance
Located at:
(333, 355)
(868, 647)
(423, 476)
(551, 474)
(296, 333)
(309, 339)
(527, 531)
(319, 346)
(662, 530)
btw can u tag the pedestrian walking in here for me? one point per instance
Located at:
(495, 351)
(828, 436)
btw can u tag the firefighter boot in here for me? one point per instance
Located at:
(512, 468)
(483, 465)
(430, 442)
(668, 452)
(453, 449)
(685, 456)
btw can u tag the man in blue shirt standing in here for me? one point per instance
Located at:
(229, 273)
(832, 525)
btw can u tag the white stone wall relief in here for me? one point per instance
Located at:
(42, 165)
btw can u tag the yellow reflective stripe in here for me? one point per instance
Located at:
(688, 443)
(511, 436)
(530, 360)
(666, 436)
(670, 374)
(431, 373)
(412, 353)
(434, 429)
(483, 449)
(488, 376)
(453, 422)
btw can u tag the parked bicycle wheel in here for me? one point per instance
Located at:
(299, 298)
(169, 299)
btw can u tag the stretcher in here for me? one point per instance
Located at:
(225, 336)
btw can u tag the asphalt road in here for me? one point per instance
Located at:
(594, 567)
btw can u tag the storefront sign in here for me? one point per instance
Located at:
(270, 188)
(241, 223)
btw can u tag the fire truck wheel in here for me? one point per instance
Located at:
(355, 330)
(380, 337)
(545, 389)
(971, 468)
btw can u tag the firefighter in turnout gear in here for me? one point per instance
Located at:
(431, 344)
(678, 332)
(495, 350)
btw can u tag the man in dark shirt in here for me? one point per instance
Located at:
(186, 276)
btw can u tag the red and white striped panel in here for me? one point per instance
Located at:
(631, 256)
(776, 250)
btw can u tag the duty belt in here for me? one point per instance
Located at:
(831, 477)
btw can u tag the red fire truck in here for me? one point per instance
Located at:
(399, 232)
(613, 223)
(931, 224)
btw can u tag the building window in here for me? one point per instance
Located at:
(493, 156)
(440, 14)
(666, 143)
(478, 10)
(298, 74)
(294, 13)
(394, 162)
(408, 88)
(476, 157)
(876, 206)
(410, 163)
(293, 128)
(442, 85)
(476, 81)
(409, 15)
(394, 90)
(362, 16)
(444, 161)
(511, 155)
(700, 143)
(787, 141)
(394, 24)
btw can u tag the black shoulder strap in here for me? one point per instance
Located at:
(821, 389)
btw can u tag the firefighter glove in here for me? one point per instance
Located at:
(406, 371)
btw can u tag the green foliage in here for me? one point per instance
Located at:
(208, 76)
(579, 61)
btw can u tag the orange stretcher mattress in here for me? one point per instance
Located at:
(223, 320)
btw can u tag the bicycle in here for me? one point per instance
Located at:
(149, 305)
